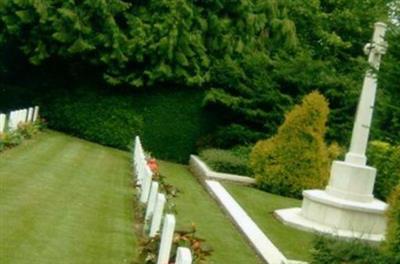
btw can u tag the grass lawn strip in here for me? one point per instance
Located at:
(194, 205)
(260, 206)
(65, 200)
(267, 250)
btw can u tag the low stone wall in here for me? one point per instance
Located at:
(200, 169)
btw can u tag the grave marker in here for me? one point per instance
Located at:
(146, 184)
(35, 113)
(30, 114)
(183, 256)
(166, 239)
(157, 215)
(152, 201)
(2, 122)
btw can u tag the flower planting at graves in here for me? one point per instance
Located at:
(155, 246)
(187, 238)
(24, 131)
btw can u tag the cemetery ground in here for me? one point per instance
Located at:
(260, 206)
(66, 200)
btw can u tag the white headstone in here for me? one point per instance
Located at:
(2, 122)
(157, 215)
(144, 195)
(20, 116)
(152, 201)
(24, 115)
(35, 113)
(30, 114)
(183, 256)
(17, 118)
(137, 147)
(140, 166)
(11, 120)
(167, 236)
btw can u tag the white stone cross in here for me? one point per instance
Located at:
(157, 215)
(183, 256)
(362, 124)
(167, 236)
(2, 122)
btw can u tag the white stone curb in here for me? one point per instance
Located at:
(201, 169)
(264, 247)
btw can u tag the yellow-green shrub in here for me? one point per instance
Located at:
(392, 244)
(297, 157)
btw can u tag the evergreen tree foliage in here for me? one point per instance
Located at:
(388, 108)
(296, 158)
(255, 58)
(385, 158)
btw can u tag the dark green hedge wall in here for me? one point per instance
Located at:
(170, 122)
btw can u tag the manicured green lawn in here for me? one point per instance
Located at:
(259, 205)
(194, 205)
(65, 200)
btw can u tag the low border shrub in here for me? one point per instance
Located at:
(229, 161)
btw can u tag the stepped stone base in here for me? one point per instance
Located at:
(324, 213)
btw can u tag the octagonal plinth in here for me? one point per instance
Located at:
(324, 213)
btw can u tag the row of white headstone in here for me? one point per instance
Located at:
(11, 121)
(150, 196)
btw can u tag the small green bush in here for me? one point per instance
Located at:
(228, 161)
(392, 245)
(235, 134)
(386, 159)
(296, 158)
(333, 251)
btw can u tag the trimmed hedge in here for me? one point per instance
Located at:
(334, 251)
(170, 122)
(105, 120)
(228, 161)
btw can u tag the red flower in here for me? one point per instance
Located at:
(152, 163)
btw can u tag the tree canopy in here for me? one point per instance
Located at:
(255, 58)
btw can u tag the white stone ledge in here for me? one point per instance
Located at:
(374, 207)
(260, 242)
(201, 169)
(293, 217)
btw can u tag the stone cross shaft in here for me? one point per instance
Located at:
(362, 124)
